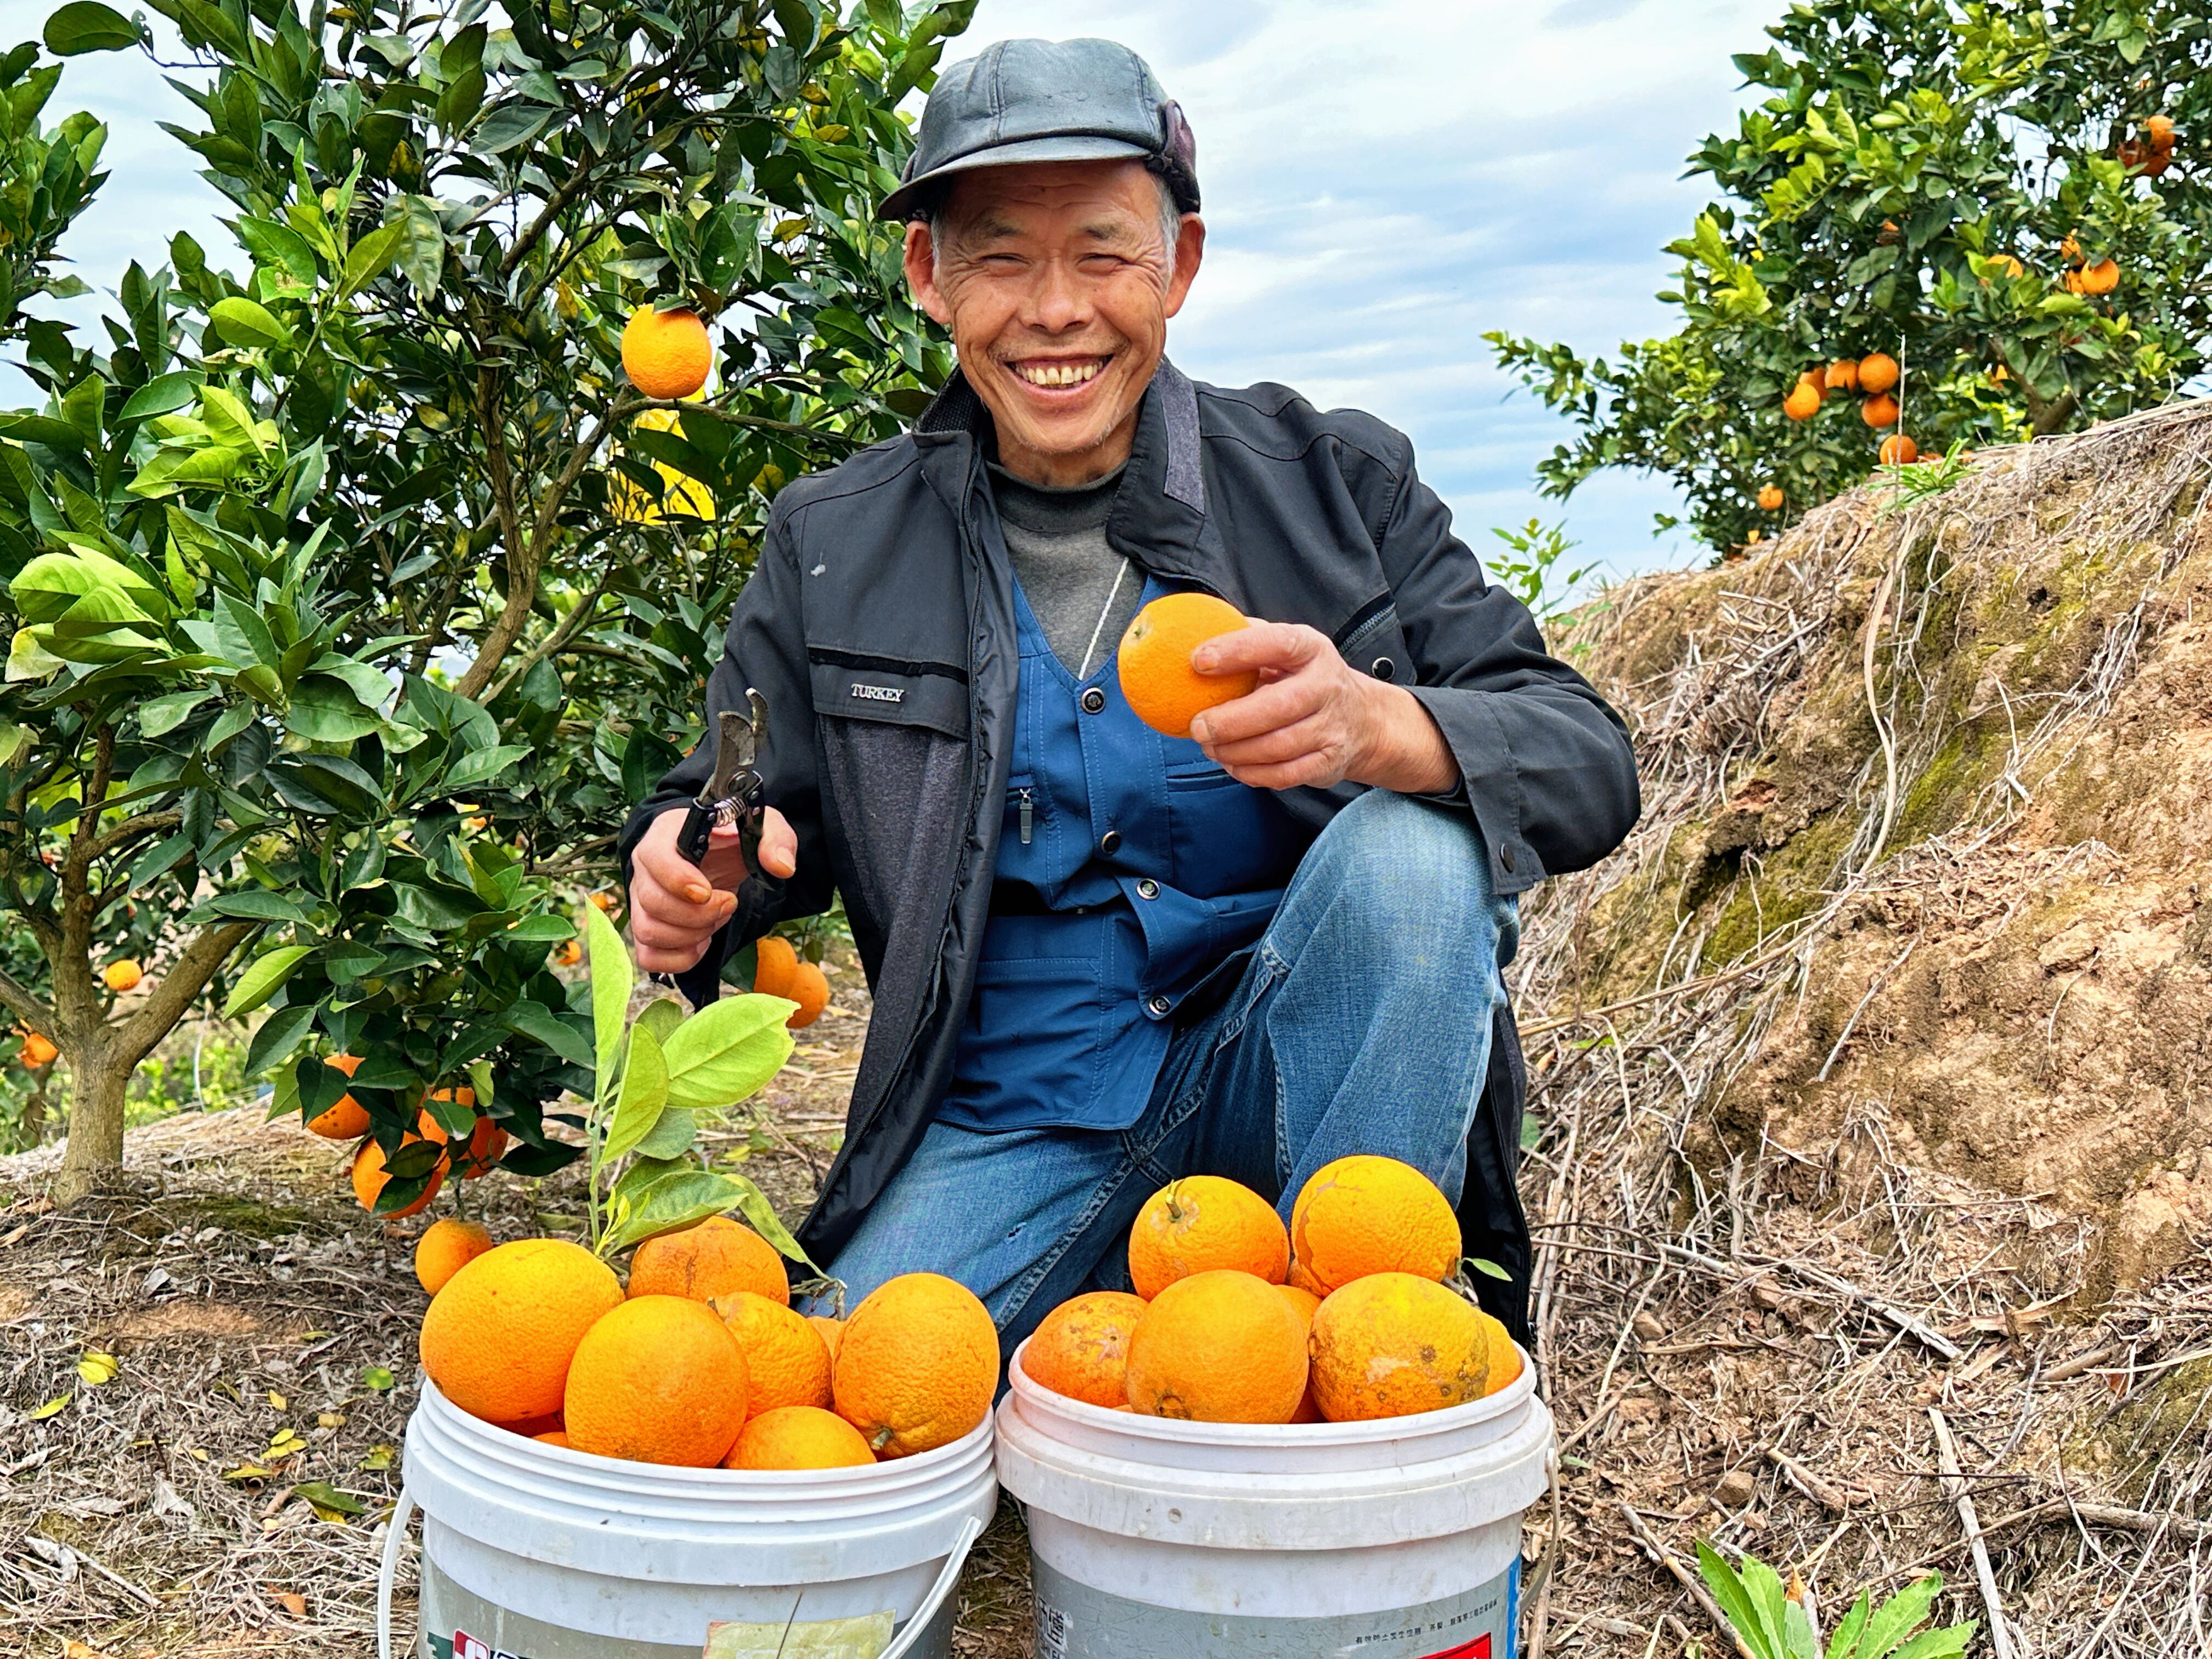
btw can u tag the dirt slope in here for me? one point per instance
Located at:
(1870, 1069)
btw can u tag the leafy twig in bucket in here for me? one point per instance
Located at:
(655, 1074)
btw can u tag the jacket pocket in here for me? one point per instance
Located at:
(848, 686)
(1371, 641)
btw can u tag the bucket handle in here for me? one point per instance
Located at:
(970, 1530)
(404, 1512)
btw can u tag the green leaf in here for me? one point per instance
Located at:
(84, 26)
(481, 766)
(251, 904)
(280, 1034)
(1735, 1601)
(245, 323)
(671, 1137)
(161, 396)
(370, 255)
(683, 1198)
(328, 1502)
(753, 1204)
(644, 1096)
(511, 126)
(259, 982)
(535, 1019)
(660, 1016)
(723, 1053)
(612, 977)
(376, 1379)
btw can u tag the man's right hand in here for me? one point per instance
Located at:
(677, 907)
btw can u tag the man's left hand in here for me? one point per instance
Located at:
(1313, 720)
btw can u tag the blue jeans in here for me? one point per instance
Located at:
(1361, 1024)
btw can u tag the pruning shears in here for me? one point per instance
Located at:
(734, 796)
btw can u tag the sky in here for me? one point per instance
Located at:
(1385, 180)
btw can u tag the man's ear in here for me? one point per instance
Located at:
(1190, 250)
(922, 273)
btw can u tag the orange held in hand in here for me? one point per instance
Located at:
(658, 1380)
(1204, 1222)
(1082, 1348)
(667, 354)
(1365, 1214)
(1163, 691)
(448, 1246)
(1219, 1347)
(717, 1257)
(1392, 1345)
(799, 1438)
(499, 1337)
(918, 1366)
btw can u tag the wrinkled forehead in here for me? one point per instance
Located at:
(1106, 201)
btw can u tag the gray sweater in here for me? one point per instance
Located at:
(1083, 592)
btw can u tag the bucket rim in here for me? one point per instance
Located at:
(523, 1451)
(1171, 1432)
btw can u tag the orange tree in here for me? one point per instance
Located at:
(351, 597)
(1940, 183)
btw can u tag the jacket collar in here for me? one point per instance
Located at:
(1159, 517)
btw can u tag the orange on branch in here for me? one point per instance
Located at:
(1842, 375)
(498, 1338)
(39, 1050)
(716, 1257)
(122, 975)
(1897, 450)
(1770, 498)
(810, 989)
(667, 354)
(1199, 1222)
(1877, 372)
(1219, 1347)
(1803, 401)
(1153, 661)
(774, 962)
(1082, 1348)
(658, 1379)
(1879, 412)
(918, 1364)
(370, 1178)
(2102, 277)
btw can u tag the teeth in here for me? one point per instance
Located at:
(1058, 374)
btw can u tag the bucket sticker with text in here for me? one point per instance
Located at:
(864, 1638)
(466, 1646)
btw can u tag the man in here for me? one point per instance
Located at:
(1100, 958)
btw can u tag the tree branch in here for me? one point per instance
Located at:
(123, 835)
(25, 1007)
(185, 978)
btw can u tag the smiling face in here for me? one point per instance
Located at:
(1055, 282)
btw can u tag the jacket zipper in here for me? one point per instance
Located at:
(1029, 814)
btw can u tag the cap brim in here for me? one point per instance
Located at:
(901, 202)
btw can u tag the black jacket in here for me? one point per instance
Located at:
(890, 570)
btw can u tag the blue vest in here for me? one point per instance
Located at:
(1129, 866)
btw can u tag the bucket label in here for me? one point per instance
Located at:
(1478, 1648)
(466, 1646)
(1052, 1627)
(865, 1637)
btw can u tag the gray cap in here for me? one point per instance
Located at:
(1046, 100)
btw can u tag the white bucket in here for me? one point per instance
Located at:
(540, 1552)
(1393, 1539)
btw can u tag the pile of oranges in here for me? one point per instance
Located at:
(1346, 1315)
(701, 1361)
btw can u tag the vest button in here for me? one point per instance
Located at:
(1110, 843)
(1148, 889)
(1505, 857)
(1385, 668)
(1161, 1006)
(1093, 700)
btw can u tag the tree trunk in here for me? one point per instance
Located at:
(95, 1153)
